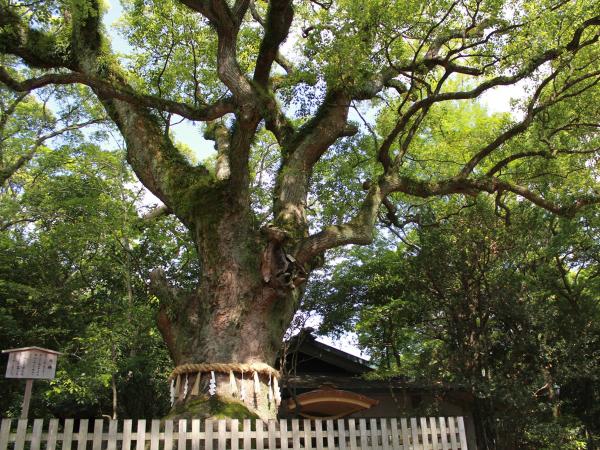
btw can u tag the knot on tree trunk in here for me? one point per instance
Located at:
(278, 267)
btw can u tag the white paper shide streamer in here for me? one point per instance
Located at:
(232, 384)
(256, 384)
(212, 385)
(196, 386)
(172, 392)
(243, 389)
(270, 391)
(276, 391)
(249, 389)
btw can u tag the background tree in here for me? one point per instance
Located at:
(74, 257)
(224, 64)
(506, 312)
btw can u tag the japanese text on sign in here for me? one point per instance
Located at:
(32, 364)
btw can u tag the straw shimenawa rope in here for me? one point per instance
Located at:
(260, 368)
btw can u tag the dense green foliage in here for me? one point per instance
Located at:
(508, 312)
(74, 257)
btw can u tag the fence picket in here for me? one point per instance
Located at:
(36, 435)
(352, 429)
(208, 433)
(21, 432)
(272, 434)
(433, 433)
(452, 429)
(342, 434)
(443, 433)
(461, 433)
(82, 434)
(97, 436)
(385, 435)
(67, 435)
(319, 434)
(283, 433)
(247, 433)
(374, 432)
(425, 434)
(127, 426)
(196, 435)
(395, 432)
(414, 431)
(295, 434)
(260, 437)
(154, 434)
(364, 443)
(182, 435)
(330, 435)
(405, 434)
(5, 433)
(52, 434)
(168, 435)
(140, 441)
(222, 430)
(235, 429)
(308, 434)
(112, 435)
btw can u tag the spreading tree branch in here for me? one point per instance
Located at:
(277, 25)
(360, 229)
(574, 45)
(121, 92)
(157, 212)
(152, 155)
(226, 22)
(7, 172)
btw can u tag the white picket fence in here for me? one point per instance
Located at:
(441, 433)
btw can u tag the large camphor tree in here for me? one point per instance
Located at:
(275, 85)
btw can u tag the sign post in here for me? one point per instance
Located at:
(30, 363)
(26, 399)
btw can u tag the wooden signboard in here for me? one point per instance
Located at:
(30, 363)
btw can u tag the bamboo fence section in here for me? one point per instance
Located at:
(424, 433)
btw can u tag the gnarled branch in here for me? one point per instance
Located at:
(9, 171)
(277, 25)
(303, 151)
(121, 92)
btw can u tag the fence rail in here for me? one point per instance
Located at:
(432, 433)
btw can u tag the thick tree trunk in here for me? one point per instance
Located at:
(248, 287)
(239, 321)
(245, 300)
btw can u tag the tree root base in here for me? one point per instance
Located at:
(216, 407)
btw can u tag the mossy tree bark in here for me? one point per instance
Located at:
(252, 279)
